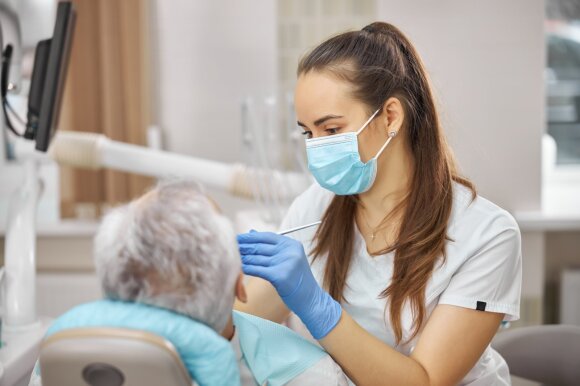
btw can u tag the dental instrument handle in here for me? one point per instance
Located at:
(285, 232)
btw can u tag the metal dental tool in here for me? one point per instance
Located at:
(299, 228)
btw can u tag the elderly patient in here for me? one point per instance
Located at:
(172, 248)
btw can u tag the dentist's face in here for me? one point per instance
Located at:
(325, 106)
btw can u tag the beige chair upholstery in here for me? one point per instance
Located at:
(546, 354)
(110, 357)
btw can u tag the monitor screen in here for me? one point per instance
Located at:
(48, 76)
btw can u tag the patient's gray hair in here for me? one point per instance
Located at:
(170, 249)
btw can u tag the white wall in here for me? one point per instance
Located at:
(486, 61)
(208, 56)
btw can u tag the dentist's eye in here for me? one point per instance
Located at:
(307, 133)
(332, 130)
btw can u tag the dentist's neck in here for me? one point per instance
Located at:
(395, 168)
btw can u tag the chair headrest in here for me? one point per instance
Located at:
(208, 357)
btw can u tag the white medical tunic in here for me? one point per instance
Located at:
(482, 270)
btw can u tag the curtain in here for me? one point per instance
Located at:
(107, 91)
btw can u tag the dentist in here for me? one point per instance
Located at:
(410, 273)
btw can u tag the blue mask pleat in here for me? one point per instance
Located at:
(335, 163)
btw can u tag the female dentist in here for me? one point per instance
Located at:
(410, 273)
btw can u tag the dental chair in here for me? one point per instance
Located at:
(548, 354)
(110, 357)
(116, 343)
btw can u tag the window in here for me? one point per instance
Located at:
(563, 89)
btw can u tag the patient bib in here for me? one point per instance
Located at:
(274, 353)
(207, 356)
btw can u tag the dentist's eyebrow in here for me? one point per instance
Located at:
(320, 121)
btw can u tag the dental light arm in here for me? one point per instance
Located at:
(95, 151)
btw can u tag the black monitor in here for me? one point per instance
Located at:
(48, 76)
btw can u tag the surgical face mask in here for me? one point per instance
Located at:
(335, 162)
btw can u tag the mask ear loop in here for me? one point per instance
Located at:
(392, 135)
(367, 122)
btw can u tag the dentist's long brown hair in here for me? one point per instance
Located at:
(380, 62)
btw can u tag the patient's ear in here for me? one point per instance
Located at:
(240, 289)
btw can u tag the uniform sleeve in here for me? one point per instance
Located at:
(490, 280)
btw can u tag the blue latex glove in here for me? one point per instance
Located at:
(282, 261)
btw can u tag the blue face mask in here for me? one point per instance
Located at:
(335, 162)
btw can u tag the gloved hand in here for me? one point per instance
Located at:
(282, 261)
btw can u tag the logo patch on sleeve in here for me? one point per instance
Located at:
(481, 306)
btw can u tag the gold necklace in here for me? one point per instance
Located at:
(374, 230)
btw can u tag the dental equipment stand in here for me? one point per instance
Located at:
(22, 331)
